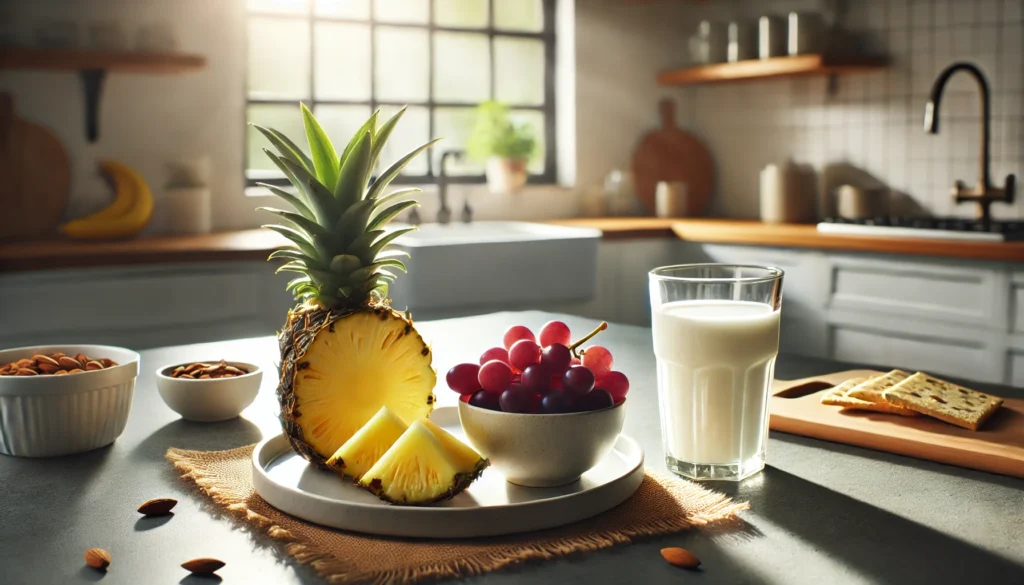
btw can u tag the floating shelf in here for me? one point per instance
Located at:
(767, 68)
(92, 66)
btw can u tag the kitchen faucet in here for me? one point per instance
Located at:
(983, 193)
(444, 213)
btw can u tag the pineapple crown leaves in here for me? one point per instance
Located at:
(337, 223)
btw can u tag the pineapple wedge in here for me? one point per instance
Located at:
(364, 448)
(464, 457)
(418, 469)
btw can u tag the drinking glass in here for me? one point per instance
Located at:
(716, 337)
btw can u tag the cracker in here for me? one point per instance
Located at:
(872, 389)
(943, 400)
(839, 391)
(837, 396)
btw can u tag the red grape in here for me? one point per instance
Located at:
(555, 403)
(515, 333)
(524, 353)
(555, 332)
(537, 378)
(465, 397)
(578, 380)
(616, 384)
(596, 399)
(463, 378)
(495, 353)
(495, 376)
(598, 359)
(575, 361)
(485, 399)
(515, 399)
(556, 357)
(535, 403)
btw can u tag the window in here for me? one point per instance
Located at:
(345, 58)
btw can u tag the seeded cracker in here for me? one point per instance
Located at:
(872, 389)
(944, 400)
(837, 396)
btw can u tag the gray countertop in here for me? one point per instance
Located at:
(820, 512)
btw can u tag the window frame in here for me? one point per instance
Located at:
(548, 107)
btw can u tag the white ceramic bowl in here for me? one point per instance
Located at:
(542, 450)
(46, 416)
(213, 399)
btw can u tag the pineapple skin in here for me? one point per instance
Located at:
(304, 323)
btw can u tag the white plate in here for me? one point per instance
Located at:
(491, 506)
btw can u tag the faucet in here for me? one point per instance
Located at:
(444, 214)
(983, 193)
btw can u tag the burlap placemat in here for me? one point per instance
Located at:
(662, 505)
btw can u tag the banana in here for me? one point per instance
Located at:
(120, 219)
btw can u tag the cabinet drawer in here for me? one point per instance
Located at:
(961, 359)
(958, 294)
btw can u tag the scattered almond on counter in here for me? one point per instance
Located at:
(203, 371)
(97, 558)
(203, 566)
(55, 364)
(158, 506)
(680, 557)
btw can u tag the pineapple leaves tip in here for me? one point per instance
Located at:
(325, 158)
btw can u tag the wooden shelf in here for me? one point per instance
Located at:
(85, 60)
(774, 67)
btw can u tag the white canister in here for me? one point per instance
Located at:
(670, 199)
(187, 210)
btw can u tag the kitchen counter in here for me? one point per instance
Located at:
(820, 512)
(256, 244)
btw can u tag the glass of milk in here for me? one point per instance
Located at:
(716, 336)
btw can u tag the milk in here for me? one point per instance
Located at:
(715, 366)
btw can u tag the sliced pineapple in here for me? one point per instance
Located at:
(360, 452)
(416, 470)
(465, 458)
(359, 363)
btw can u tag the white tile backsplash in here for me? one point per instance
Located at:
(874, 121)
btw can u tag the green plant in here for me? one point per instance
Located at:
(495, 134)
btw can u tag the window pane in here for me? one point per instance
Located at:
(402, 66)
(355, 9)
(413, 11)
(279, 6)
(535, 120)
(519, 70)
(278, 58)
(412, 131)
(462, 67)
(461, 13)
(342, 61)
(286, 119)
(454, 125)
(524, 15)
(341, 122)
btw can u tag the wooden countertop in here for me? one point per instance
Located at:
(256, 244)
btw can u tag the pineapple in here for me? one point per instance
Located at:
(365, 447)
(344, 352)
(464, 457)
(418, 469)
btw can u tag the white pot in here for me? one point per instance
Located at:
(505, 175)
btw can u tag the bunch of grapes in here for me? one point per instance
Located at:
(541, 375)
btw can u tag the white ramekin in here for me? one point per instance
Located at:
(212, 399)
(46, 416)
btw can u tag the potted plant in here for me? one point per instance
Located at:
(506, 146)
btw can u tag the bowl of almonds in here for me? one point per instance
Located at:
(63, 399)
(209, 391)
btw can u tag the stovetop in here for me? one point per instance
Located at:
(941, 228)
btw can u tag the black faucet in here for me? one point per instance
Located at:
(983, 193)
(444, 213)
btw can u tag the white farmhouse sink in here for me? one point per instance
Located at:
(492, 265)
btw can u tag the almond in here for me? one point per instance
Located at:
(204, 377)
(25, 372)
(48, 368)
(235, 371)
(107, 362)
(680, 557)
(187, 376)
(44, 359)
(58, 355)
(24, 363)
(69, 363)
(157, 506)
(75, 371)
(81, 358)
(94, 365)
(61, 373)
(202, 566)
(97, 558)
(191, 368)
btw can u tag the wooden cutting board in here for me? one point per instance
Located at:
(672, 154)
(998, 447)
(35, 175)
